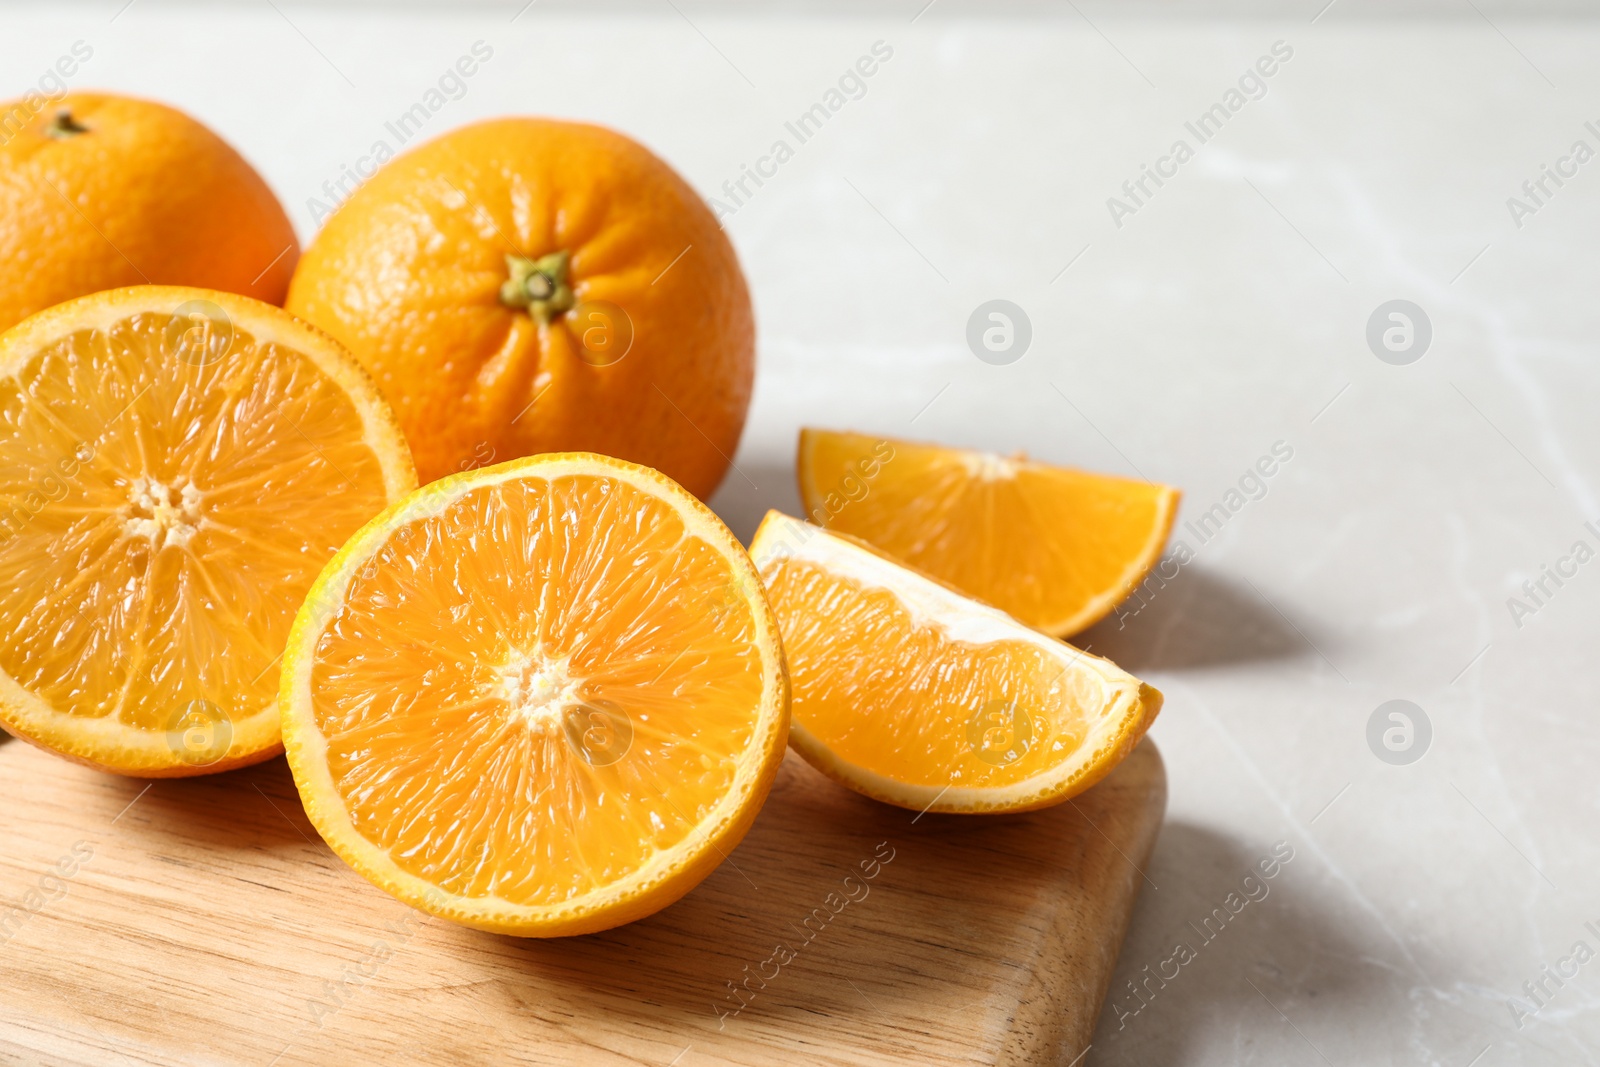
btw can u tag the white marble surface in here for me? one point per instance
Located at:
(1227, 314)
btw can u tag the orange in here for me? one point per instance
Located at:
(1054, 547)
(545, 697)
(527, 285)
(101, 191)
(178, 466)
(915, 695)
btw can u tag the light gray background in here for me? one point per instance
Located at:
(1228, 314)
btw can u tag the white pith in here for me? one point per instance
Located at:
(538, 690)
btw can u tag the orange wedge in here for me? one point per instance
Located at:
(176, 465)
(1055, 548)
(913, 694)
(541, 698)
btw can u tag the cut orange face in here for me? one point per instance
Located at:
(178, 464)
(541, 698)
(1053, 547)
(913, 694)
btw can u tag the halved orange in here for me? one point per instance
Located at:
(911, 693)
(541, 698)
(176, 465)
(1054, 547)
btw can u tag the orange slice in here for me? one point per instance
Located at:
(913, 694)
(176, 465)
(1055, 548)
(541, 698)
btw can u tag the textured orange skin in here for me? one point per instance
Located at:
(147, 196)
(406, 274)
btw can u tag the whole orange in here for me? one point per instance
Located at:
(527, 285)
(99, 192)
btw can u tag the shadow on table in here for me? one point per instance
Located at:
(1199, 619)
(1176, 1002)
(749, 490)
(255, 807)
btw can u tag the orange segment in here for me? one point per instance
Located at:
(913, 694)
(541, 698)
(176, 465)
(1055, 548)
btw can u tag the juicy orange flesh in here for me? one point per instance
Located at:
(922, 709)
(1037, 542)
(535, 691)
(161, 519)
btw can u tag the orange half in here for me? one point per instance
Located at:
(541, 698)
(176, 465)
(1055, 548)
(911, 693)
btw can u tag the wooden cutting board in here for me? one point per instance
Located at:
(204, 922)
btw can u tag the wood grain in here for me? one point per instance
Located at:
(204, 922)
